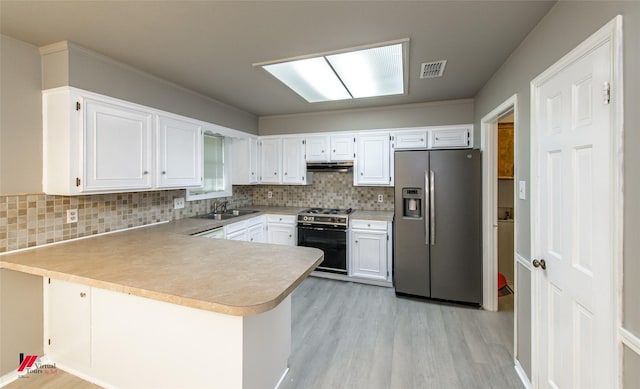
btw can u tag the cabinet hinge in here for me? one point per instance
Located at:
(77, 106)
(606, 90)
(304, 142)
(49, 341)
(77, 181)
(49, 280)
(389, 179)
(387, 236)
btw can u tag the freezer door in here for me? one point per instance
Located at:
(456, 215)
(411, 249)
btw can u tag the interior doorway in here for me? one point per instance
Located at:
(505, 211)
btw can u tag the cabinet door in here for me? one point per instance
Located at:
(373, 160)
(369, 254)
(294, 166)
(317, 148)
(117, 147)
(69, 324)
(281, 234)
(245, 161)
(270, 161)
(450, 138)
(342, 147)
(411, 139)
(256, 233)
(179, 153)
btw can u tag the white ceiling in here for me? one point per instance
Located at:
(209, 46)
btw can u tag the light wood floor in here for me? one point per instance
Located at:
(347, 335)
(59, 380)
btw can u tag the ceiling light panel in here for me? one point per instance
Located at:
(311, 78)
(371, 72)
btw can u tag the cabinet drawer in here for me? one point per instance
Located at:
(369, 225)
(411, 140)
(285, 219)
(235, 227)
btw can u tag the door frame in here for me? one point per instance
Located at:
(489, 149)
(610, 32)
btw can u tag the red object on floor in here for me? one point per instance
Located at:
(502, 281)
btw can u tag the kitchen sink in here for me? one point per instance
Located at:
(229, 214)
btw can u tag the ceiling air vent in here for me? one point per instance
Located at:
(432, 69)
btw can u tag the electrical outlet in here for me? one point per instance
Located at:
(178, 203)
(269, 194)
(72, 215)
(380, 198)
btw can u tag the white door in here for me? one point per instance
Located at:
(342, 147)
(317, 148)
(117, 147)
(281, 234)
(69, 323)
(369, 254)
(373, 160)
(294, 167)
(179, 153)
(270, 161)
(574, 217)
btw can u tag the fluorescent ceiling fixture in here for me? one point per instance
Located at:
(368, 72)
(311, 78)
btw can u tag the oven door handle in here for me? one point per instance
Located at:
(313, 228)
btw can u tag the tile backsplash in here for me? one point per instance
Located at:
(329, 190)
(36, 219)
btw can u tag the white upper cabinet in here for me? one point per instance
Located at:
(270, 161)
(117, 147)
(245, 163)
(330, 148)
(451, 137)
(373, 160)
(294, 167)
(318, 148)
(282, 161)
(411, 139)
(179, 153)
(342, 147)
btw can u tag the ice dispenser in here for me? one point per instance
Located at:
(412, 202)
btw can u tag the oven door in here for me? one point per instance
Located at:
(331, 240)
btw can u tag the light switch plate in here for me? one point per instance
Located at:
(178, 203)
(72, 215)
(522, 190)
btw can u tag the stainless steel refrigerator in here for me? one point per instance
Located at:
(438, 215)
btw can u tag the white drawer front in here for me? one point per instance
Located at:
(285, 219)
(369, 225)
(411, 140)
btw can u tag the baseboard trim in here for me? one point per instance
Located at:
(630, 340)
(523, 376)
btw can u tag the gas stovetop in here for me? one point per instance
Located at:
(338, 217)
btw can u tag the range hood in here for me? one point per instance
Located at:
(341, 167)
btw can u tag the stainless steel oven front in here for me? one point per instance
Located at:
(330, 239)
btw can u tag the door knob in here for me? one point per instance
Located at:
(541, 263)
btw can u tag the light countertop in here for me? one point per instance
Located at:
(163, 262)
(372, 215)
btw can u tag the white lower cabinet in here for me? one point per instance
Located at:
(370, 250)
(281, 229)
(250, 230)
(68, 321)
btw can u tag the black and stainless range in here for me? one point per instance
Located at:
(326, 229)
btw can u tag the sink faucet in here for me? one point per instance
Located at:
(220, 207)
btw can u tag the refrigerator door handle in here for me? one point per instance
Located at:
(426, 219)
(432, 207)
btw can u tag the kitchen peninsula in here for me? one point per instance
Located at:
(156, 307)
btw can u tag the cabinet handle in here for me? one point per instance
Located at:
(356, 242)
(275, 173)
(368, 225)
(280, 219)
(164, 172)
(290, 236)
(361, 173)
(285, 173)
(252, 173)
(83, 294)
(145, 172)
(421, 139)
(334, 150)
